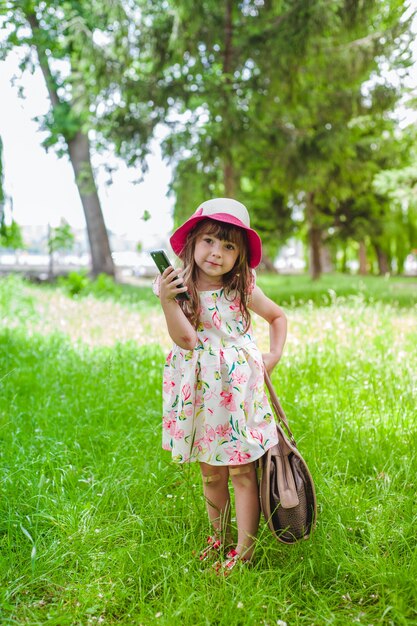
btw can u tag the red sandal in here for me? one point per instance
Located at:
(213, 548)
(233, 559)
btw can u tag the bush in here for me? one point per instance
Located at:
(104, 285)
(75, 283)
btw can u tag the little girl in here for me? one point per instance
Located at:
(215, 410)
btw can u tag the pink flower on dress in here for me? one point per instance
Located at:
(189, 411)
(198, 445)
(186, 392)
(223, 430)
(168, 384)
(255, 434)
(236, 456)
(178, 434)
(210, 393)
(204, 442)
(169, 425)
(239, 377)
(235, 306)
(228, 401)
(207, 325)
(210, 435)
(216, 319)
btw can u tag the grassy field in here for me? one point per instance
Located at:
(97, 526)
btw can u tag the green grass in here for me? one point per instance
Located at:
(296, 290)
(98, 526)
(288, 290)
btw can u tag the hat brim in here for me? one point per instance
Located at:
(179, 237)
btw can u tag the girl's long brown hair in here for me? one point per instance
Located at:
(236, 283)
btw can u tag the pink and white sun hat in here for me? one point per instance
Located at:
(221, 210)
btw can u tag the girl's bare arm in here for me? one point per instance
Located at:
(275, 316)
(179, 327)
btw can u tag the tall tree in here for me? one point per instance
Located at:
(322, 107)
(399, 187)
(217, 86)
(84, 50)
(53, 32)
(269, 92)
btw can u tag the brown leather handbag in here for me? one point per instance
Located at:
(286, 487)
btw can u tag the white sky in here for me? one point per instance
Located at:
(42, 186)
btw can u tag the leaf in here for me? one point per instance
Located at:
(26, 533)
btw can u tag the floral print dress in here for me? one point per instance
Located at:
(214, 405)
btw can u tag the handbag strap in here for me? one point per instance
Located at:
(279, 411)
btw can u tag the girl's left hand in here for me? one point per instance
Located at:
(270, 360)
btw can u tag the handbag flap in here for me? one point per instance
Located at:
(286, 484)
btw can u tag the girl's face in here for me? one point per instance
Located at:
(214, 257)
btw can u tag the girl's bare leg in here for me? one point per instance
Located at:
(245, 485)
(216, 492)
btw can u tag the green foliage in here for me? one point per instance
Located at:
(97, 525)
(278, 105)
(74, 283)
(11, 235)
(104, 287)
(78, 283)
(60, 238)
(399, 186)
(105, 78)
(287, 106)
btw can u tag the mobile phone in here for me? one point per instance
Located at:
(162, 262)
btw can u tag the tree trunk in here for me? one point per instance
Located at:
(383, 265)
(79, 151)
(229, 180)
(326, 260)
(268, 264)
(363, 266)
(314, 239)
(51, 254)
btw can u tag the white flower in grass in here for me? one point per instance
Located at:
(240, 605)
(281, 622)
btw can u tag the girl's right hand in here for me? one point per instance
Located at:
(172, 284)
